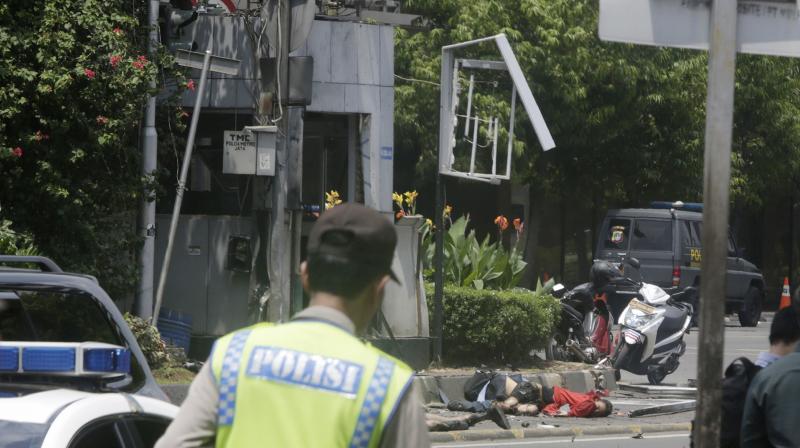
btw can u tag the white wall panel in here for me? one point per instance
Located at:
(344, 63)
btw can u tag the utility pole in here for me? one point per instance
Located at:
(147, 211)
(716, 186)
(445, 92)
(280, 232)
(187, 160)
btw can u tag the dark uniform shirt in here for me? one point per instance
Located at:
(772, 410)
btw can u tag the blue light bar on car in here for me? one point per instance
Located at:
(48, 359)
(107, 360)
(64, 358)
(678, 205)
(9, 359)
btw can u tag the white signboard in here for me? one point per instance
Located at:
(764, 27)
(239, 153)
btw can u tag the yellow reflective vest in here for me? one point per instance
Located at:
(306, 383)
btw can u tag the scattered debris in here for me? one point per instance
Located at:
(661, 390)
(681, 406)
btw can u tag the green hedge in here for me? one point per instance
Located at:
(493, 326)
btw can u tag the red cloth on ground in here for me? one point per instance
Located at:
(580, 405)
(600, 337)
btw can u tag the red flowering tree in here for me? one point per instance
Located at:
(75, 79)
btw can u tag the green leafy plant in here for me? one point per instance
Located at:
(469, 262)
(13, 242)
(149, 339)
(482, 326)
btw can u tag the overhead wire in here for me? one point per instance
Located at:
(416, 80)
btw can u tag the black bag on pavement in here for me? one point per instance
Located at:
(738, 376)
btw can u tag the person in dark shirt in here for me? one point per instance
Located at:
(771, 412)
(784, 333)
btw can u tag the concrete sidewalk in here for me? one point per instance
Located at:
(633, 429)
(524, 427)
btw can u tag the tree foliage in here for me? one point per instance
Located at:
(75, 78)
(628, 121)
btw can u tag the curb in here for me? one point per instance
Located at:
(520, 433)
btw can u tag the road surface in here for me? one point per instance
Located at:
(665, 440)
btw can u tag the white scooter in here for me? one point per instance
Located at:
(652, 327)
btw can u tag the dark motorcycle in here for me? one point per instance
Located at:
(583, 333)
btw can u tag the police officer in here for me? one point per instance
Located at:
(311, 382)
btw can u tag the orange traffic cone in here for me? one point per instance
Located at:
(786, 299)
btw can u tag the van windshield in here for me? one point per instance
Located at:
(617, 234)
(652, 235)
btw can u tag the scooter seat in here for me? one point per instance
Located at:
(674, 319)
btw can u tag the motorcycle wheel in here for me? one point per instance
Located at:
(656, 376)
(620, 356)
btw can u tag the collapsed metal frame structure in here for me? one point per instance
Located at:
(447, 124)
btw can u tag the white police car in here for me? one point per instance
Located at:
(71, 372)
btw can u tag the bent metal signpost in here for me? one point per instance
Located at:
(764, 27)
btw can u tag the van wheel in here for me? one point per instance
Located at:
(750, 313)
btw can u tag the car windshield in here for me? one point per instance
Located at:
(41, 315)
(54, 317)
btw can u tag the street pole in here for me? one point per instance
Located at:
(187, 159)
(280, 237)
(147, 210)
(445, 117)
(716, 186)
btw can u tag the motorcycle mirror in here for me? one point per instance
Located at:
(558, 290)
(633, 262)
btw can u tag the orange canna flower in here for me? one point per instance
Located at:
(399, 214)
(501, 222)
